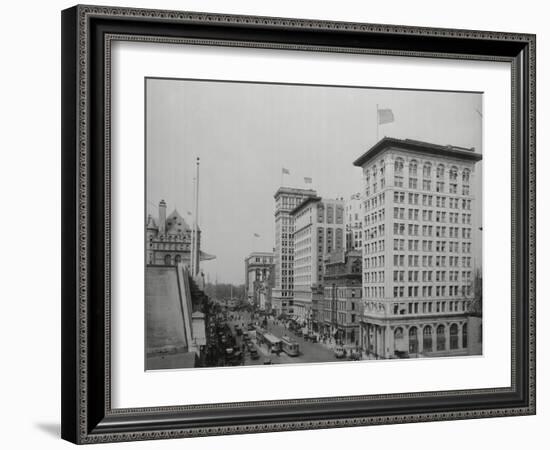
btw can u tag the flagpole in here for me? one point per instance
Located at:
(196, 263)
(377, 122)
(192, 256)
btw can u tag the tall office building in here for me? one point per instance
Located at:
(354, 222)
(318, 231)
(419, 246)
(286, 199)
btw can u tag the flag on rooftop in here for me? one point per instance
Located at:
(286, 171)
(385, 116)
(308, 180)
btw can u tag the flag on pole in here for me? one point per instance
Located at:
(286, 171)
(256, 235)
(385, 116)
(308, 180)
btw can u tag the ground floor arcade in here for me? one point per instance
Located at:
(404, 339)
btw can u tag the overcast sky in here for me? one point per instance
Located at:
(246, 133)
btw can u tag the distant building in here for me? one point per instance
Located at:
(168, 239)
(354, 222)
(259, 276)
(286, 199)
(418, 248)
(342, 304)
(318, 231)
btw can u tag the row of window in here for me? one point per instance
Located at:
(428, 230)
(428, 261)
(374, 276)
(429, 291)
(414, 213)
(374, 292)
(167, 246)
(377, 216)
(427, 186)
(428, 216)
(375, 247)
(413, 183)
(374, 232)
(413, 245)
(439, 275)
(374, 261)
(427, 169)
(375, 202)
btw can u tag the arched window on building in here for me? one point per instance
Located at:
(465, 335)
(453, 173)
(374, 172)
(454, 336)
(167, 260)
(440, 171)
(398, 168)
(398, 341)
(427, 170)
(413, 168)
(440, 332)
(466, 176)
(177, 259)
(427, 338)
(413, 340)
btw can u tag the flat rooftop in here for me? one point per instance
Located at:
(417, 147)
(294, 191)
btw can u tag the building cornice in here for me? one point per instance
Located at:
(410, 145)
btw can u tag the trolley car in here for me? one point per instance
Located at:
(290, 346)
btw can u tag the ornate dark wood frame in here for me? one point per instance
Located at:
(87, 33)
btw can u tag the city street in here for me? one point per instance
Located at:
(309, 351)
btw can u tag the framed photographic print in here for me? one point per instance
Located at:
(278, 224)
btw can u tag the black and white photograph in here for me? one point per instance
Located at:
(299, 224)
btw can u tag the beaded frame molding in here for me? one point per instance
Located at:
(87, 35)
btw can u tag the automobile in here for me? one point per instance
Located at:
(250, 345)
(267, 361)
(340, 352)
(246, 337)
(354, 355)
(298, 332)
(250, 327)
(254, 354)
(312, 338)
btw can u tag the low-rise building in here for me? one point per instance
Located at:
(259, 276)
(342, 304)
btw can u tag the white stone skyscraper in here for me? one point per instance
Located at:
(418, 248)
